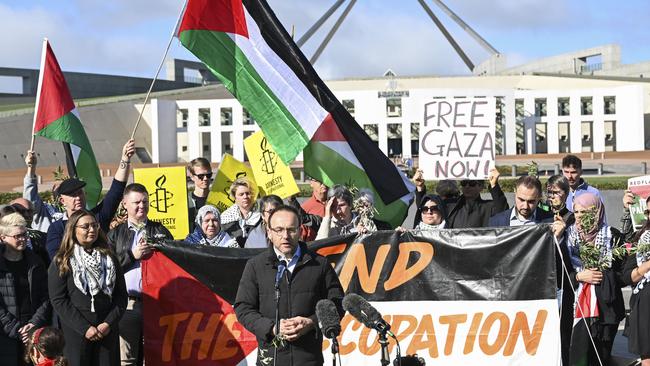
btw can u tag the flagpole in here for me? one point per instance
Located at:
(146, 98)
(38, 91)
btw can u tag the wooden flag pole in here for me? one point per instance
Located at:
(38, 92)
(162, 62)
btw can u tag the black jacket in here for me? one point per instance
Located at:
(313, 279)
(120, 239)
(41, 310)
(464, 214)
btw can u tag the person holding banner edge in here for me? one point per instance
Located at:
(71, 195)
(307, 279)
(130, 244)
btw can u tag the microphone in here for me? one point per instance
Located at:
(282, 266)
(328, 318)
(361, 309)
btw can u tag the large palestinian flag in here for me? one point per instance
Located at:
(56, 118)
(248, 49)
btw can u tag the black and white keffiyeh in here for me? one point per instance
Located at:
(640, 259)
(426, 227)
(233, 214)
(92, 272)
(603, 242)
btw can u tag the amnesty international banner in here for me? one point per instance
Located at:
(229, 170)
(271, 174)
(167, 189)
(454, 297)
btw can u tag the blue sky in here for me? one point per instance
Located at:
(128, 37)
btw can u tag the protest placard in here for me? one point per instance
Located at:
(167, 189)
(271, 174)
(640, 186)
(458, 138)
(229, 170)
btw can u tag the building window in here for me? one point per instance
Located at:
(394, 107)
(246, 117)
(415, 139)
(610, 135)
(206, 145)
(499, 138)
(181, 118)
(372, 131)
(183, 148)
(226, 116)
(394, 132)
(540, 107)
(348, 104)
(587, 133)
(519, 108)
(563, 107)
(586, 106)
(226, 142)
(610, 105)
(204, 117)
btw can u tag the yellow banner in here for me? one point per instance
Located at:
(271, 174)
(229, 170)
(167, 189)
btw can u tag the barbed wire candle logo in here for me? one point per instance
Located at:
(269, 158)
(161, 197)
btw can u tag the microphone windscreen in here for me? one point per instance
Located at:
(357, 307)
(328, 318)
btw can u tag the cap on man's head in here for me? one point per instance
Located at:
(69, 186)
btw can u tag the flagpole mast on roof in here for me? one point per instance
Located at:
(162, 62)
(38, 91)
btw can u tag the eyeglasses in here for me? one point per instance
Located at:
(21, 236)
(87, 227)
(554, 193)
(430, 209)
(471, 183)
(203, 176)
(290, 230)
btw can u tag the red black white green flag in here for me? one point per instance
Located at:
(248, 49)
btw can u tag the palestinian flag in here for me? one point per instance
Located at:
(56, 118)
(586, 312)
(248, 49)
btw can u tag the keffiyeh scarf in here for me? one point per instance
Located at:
(426, 227)
(233, 214)
(92, 272)
(602, 240)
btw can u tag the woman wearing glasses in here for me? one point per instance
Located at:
(88, 293)
(557, 191)
(24, 304)
(431, 214)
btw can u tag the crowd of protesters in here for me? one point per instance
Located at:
(88, 306)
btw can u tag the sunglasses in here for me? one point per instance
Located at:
(430, 209)
(203, 176)
(471, 183)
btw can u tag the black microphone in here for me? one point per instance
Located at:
(282, 266)
(328, 318)
(361, 309)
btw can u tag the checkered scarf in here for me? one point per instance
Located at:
(92, 272)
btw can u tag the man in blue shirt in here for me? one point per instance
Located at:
(572, 170)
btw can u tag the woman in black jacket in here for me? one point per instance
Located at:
(88, 293)
(637, 274)
(24, 305)
(597, 260)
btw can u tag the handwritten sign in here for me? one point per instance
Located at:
(271, 174)
(229, 170)
(458, 138)
(167, 188)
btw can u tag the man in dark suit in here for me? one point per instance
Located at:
(528, 192)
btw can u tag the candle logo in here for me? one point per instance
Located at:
(269, 158)
(160, 198)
